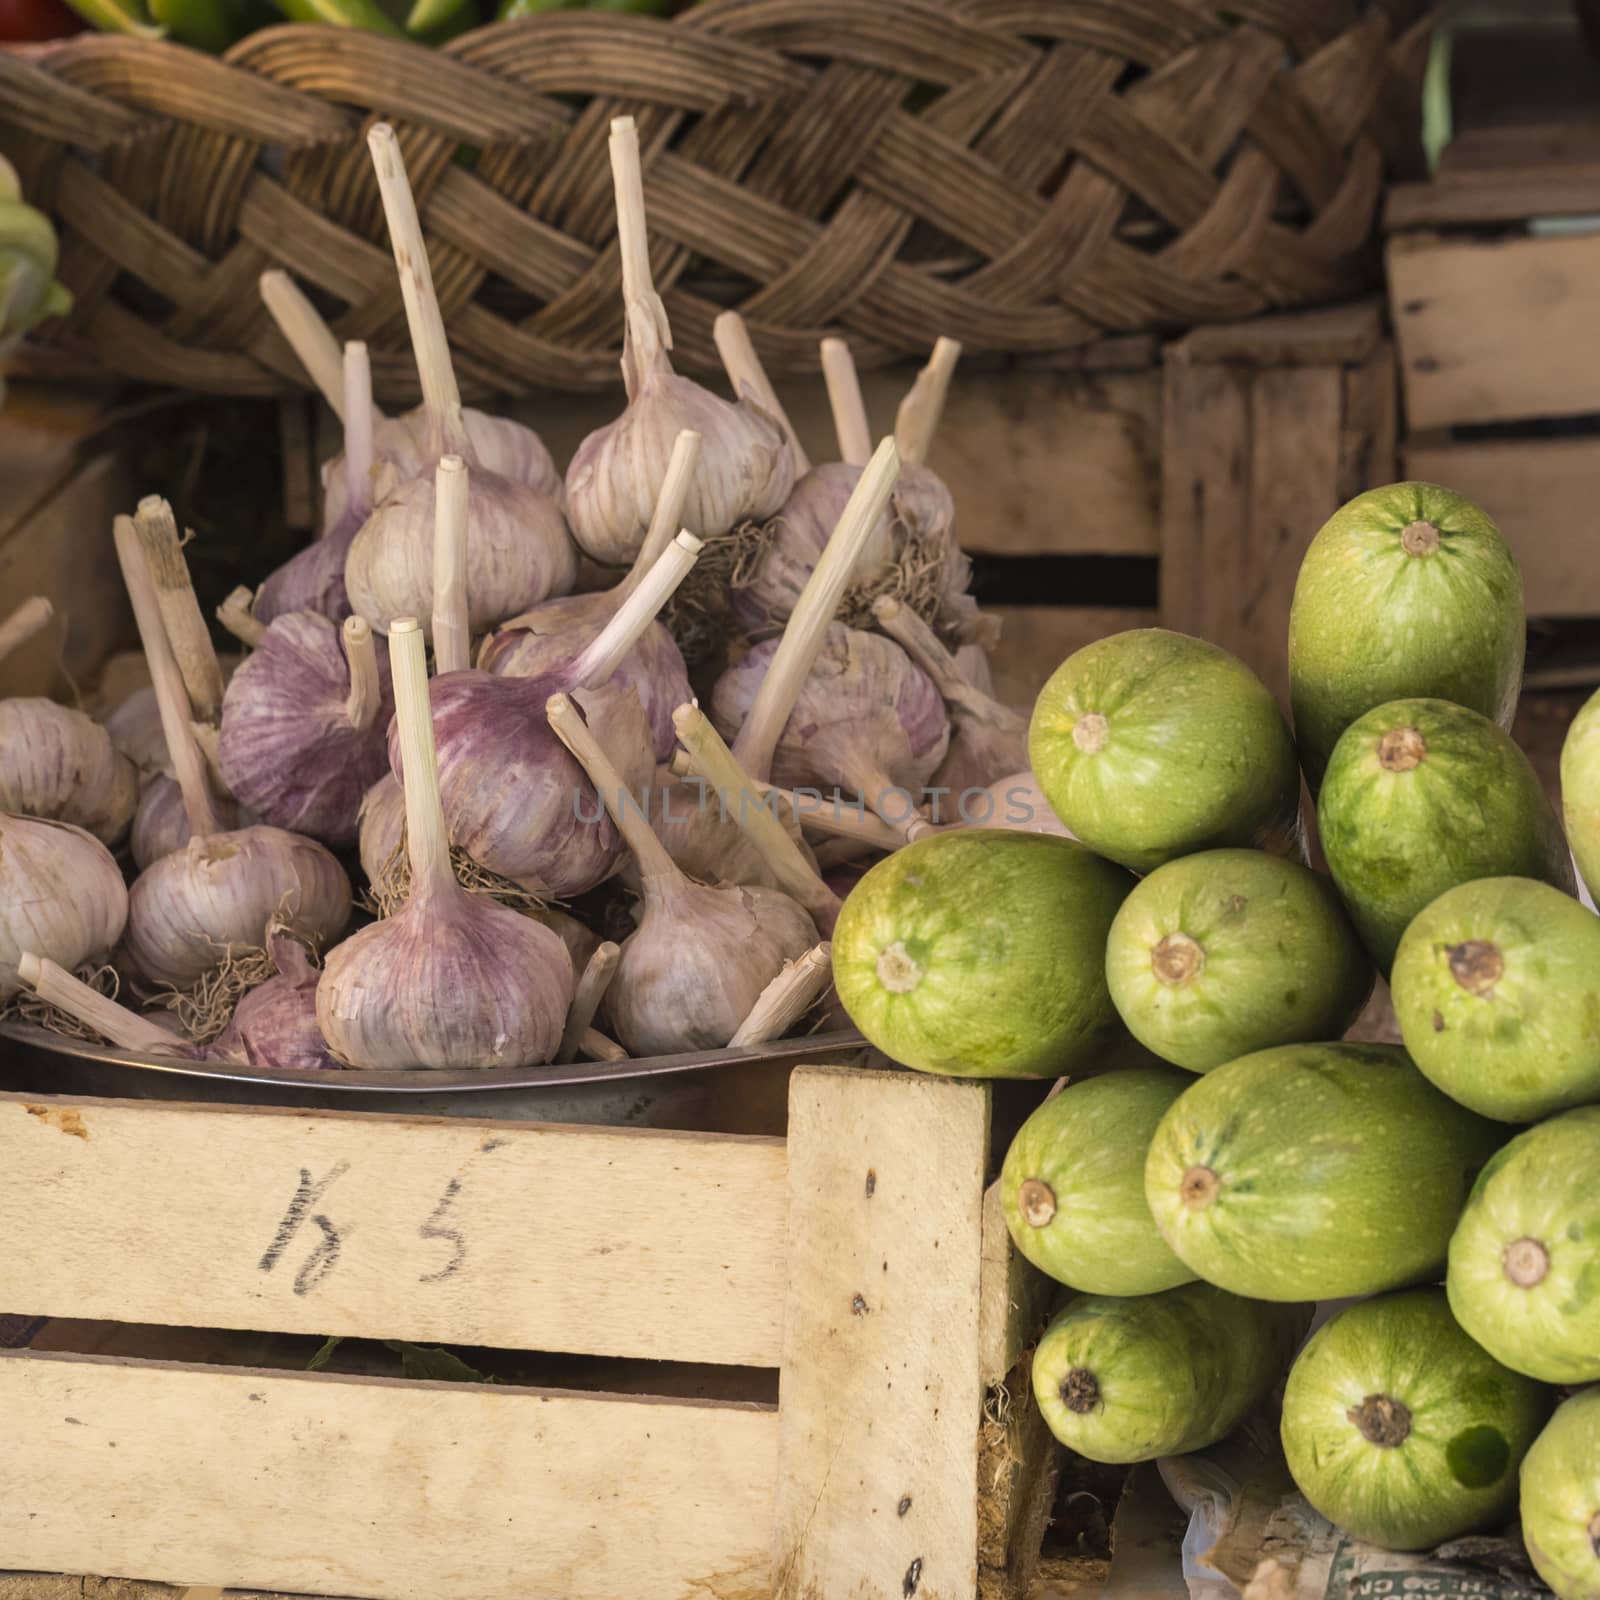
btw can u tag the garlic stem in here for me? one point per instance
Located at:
(837, 819)
(32, 615)
(308, 335)
(361, 656)
(427, 844)
(591, 990)
(629, 621)
(745, 373)
(716, 764)
(874, 786)
(597, 1047)
(440, 396)
(655, 861)
(360, 419)
(667, 518)
(452, 632)
(813, 611)
(787, 998)
(57, 987)
(185, 628)
(638, 286)
(917, 420)
(166, 680)
(844, 399)
(236, 616)
(208, 740)
(928, 651)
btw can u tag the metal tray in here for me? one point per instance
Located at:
(706, 1089)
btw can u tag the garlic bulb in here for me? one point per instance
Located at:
(222, 889)
(615, 478)
(452, 980)
(61, 894)
(987, 740)
(865, 719)
(919, 520)
(304, 726)
(313, 580)
(501, 445)
(546, 638)
(161, 824)
(513, 798)
(700, 834)
(135, 730)
(1016, 802)
(380, 825)
(274, 1024)
(518, 549)
(700, 957)
(58, 763)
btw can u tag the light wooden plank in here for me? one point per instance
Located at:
(1493, 330)
(621, 1242)
(1295, 419)
(1014, 1295)
(1541, 492)
(1327, 336)
(880, 1400)
(390, 1491)
(1035, 640)
(1037, 461)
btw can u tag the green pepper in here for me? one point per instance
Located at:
(118, 16)
(510, 9)
(341, 14)
(202, 24)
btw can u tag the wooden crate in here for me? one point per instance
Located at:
(1493, 274)
(860, 1262)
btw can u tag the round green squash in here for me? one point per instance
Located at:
(1150, 745)
(1398, 1428)
(1407, 591)
(1496, 988)
(1580, 790)
(1123, 1380)
(1524, 1275)
(1072, 1185)
(1561, 1499)
(1231, 951)
(1421, 795)
(1314, 1172)
(982, 954)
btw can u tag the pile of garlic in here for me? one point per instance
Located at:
(563, 854)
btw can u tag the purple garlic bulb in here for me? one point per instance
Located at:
(161, 824)
(867, 720)
(274, 1025)
(304, 725)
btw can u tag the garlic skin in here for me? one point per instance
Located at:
(289, 750)
(61, 896)
(979, 753)
(310, 580)
(135, 730)
(513, 798)
(746, 467)
(446, 984)
(380, 824)
(274, 1026)
(920, 509)
(549, 637)
(707, 844)
(1016, 802)
(972, 661)
(518, 553)
(161, 824)
(57, 763)
(221, 890)
(866, 719)
(696, 964)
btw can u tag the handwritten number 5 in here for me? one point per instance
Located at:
(431, 1229)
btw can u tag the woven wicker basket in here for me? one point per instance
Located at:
(1023, 175)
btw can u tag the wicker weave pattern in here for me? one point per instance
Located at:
(1023, 175)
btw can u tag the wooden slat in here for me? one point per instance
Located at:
(1494, 330)
(1492, 196)
(880, 1396)
(1368, 430)
(618, 1242)
(1542, 494)
(1035, 640)
(391, 1491)
(1328, 336)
